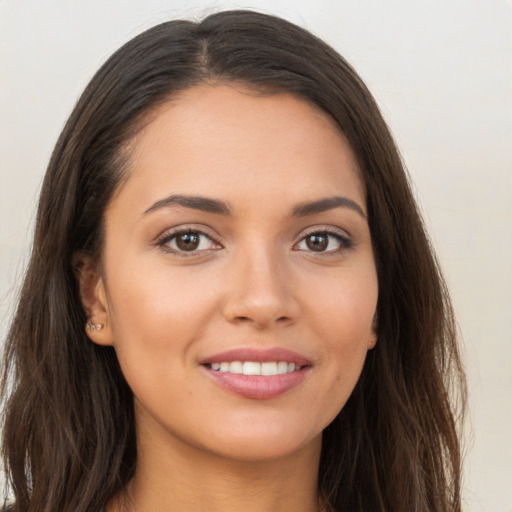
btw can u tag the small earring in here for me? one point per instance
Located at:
(94, 327)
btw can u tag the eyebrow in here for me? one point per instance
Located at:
(328, 203)
(204, 204)
(209, 205)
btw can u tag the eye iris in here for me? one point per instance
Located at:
(187, 241)
(317, 242)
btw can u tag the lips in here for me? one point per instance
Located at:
(257, 374)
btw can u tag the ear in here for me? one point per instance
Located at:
(94, 299)
(372, 341)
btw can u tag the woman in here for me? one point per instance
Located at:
(232, 302)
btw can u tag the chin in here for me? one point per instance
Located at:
(268, 443)
(264, 451)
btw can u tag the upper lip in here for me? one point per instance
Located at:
(258, 356)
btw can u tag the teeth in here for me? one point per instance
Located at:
(250, 368)
(236, 367)
(255, 368)
(269, 368)
(282, 367)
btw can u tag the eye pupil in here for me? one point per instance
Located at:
(187, 241)
(317, 242)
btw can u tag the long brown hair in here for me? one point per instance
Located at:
(69, 439)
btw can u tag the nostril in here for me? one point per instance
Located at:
(261, 322)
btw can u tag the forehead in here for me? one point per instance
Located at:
(223, 139)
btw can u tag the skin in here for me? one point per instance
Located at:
(254, 282)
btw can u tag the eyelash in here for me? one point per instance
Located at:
(164, 241)
(345, 242)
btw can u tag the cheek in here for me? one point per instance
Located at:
(156, 314)
(156, 317)
(345, 303)
(343, 307)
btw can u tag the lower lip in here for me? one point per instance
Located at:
(258, 387)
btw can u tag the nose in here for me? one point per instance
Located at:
(260, 291)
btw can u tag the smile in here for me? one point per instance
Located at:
(257, 374)
(269, 368)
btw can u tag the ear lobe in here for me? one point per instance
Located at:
(94, 299)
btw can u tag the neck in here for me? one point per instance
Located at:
(175, 476)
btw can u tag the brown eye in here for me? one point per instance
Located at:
(324, 242)
(187, 241)
(317, 242)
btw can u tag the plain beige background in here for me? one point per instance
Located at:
(442, 72)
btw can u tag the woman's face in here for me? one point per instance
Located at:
(238, 284)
